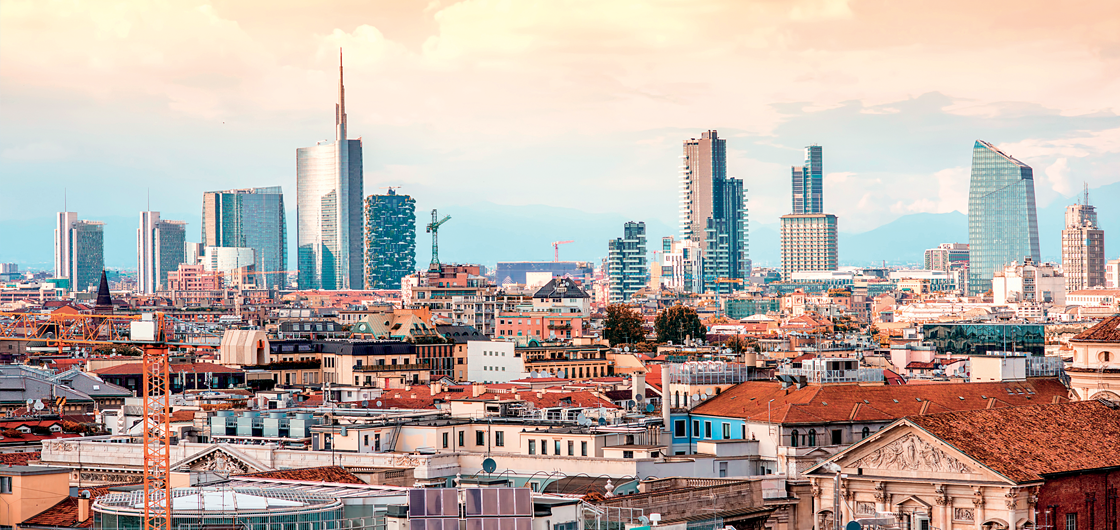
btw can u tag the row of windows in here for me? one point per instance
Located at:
(556, 447)
(796, 438)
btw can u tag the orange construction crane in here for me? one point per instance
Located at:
(152, 333)
(556, 248)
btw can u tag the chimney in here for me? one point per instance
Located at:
(638, 386)
(435, 387)
(83, 507)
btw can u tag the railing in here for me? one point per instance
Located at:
(390, 367)
(858, 375)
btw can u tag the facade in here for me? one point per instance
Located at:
(682, 265)
(514, 271)
(627, 266)
(390, 239)
(1082, 248)
(713, 211)
(1112, 274)
(1095, 372)
(955, 338)
(1029, 282)
(79, 254)
(808, 183)
(809, 243)
(460, 294)
(946, 257)
(249, 218)
(329, 208)
(1002, 221)
(228, 260)
(493, 362)
(160, 248)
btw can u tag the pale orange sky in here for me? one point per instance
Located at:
(499, 100)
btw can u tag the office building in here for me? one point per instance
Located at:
(1002, 221)
(1083, 260)
(1029, 281)
(329, 208)
(809, 243)
(160, 248)
(713, 212)
(1112, 274)
(682, 266)
(228, 260)
(626, 263)
(79, 254)
(808, 183)
(252, 218)
(946, 257)
(390, 240)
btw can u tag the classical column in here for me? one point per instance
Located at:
(978, 503)
(942, 507)
(881, 496)
(1012, 500)
(815, 489)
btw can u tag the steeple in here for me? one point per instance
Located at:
(340, 107)
(104, 299)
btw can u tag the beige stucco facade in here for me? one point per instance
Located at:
(25, 491)
(1095, 372)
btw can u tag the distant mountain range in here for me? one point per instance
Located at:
(487, 233)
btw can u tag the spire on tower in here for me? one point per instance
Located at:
(340, 108)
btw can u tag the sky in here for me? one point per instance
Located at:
(581, 104)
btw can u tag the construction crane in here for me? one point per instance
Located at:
(390, 188)
(433, 227)
(556, 248)
(152, 334)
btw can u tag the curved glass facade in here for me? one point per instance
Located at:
(225, 508)
(1002, 222)
(329, 215)
(253, 218)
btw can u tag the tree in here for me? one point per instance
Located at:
(742, 343)
(677, 323)
(117, 349)
(623, 325)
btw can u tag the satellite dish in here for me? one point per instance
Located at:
(696, 397)
(379, 404)
(644, 520)
(649, 407)
(489, 465)
(630, 403)
(38, 405)
(707, 395)
(580, 418)
(639, 398)
(602, 421)
(853, 525)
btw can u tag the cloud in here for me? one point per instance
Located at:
(838, 177)
(35, 152)
(1058, 175)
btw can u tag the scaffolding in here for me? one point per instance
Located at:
(700, 373)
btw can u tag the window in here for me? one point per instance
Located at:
(544, 447)
(556, 447)
(532, 447)
(480, 437)
(707, 429)
(500, 438)
(571, 448)
(445, 440)
(462, 438)
(793, 438)
(5, 484)
(726, 431)
(722, 469)
(365, 441)
(695, 427)
(836, 437)
(812, 438)
(678, 428)
(866, 432)
(744, 429)
(628, 454)
(1071, 518)
(583, 448)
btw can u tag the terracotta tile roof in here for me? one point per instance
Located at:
(336, 474)
(815, 404)
(1107, 331)
(1025, 443)
(197, 368)
(18, 459)
(65, 513)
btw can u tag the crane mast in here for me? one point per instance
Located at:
(433, 227)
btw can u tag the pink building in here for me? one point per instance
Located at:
(541, 325)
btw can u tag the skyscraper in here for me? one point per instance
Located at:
(808, 183)
(1083, 259)
(249, 218)
(329, 208)
(626, 263)
(713, 211)
(1002, 222)
(79, 254)
(160, 248)
(809, 243)
(390, 239)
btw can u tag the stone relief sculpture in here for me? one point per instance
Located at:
(911, 453)
(964, 514)
(866, 508)
(219, 461)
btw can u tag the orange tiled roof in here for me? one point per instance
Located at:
(336, 474)
(841, 403)
(197, 368)
(1025, 443)
(1107, 331)
(18, 459)
(64, 514)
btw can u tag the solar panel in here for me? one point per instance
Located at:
(497, 502)
(433, 502)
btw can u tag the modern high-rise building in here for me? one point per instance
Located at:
(809, 243)
(1083, 258)
(160, 248)
(1002, 221)
(808, 183)
(79, 251)
(329, 208)
(390, 242)
(946, 257)
(627, 269)
(250, 218)
(713, 212)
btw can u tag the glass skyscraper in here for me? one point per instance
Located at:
(626, 263)
(390, 240)
(808, 183)
(252, 218)
(1002, 222)
(713, 212)
(79, 254)
(160, 247)
(329, 208)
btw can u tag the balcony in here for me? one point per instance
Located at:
(391, 367)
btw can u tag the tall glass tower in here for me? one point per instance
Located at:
(1002, 222)
(160, 247)
(808, 183)
(713, 211)
(329, 208)
(252, 218)
(390, 239)
(626, 262)
(78, 251)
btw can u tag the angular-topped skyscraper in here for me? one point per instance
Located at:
(1083, 257)
(329, 208)
(249, 218)
(79, 254)
(713, 212)
(1002, 221)
(808, 183)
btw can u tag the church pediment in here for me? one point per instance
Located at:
(911, 452)
(222, 459)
